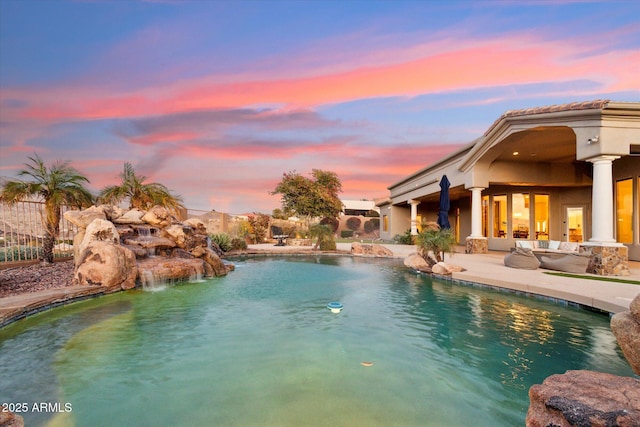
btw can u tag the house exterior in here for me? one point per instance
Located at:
(566, 172)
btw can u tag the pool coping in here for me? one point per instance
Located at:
(481, 270)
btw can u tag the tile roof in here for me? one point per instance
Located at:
(586, 105)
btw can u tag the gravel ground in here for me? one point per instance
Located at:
(36, 277)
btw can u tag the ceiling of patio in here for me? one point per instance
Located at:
(544, 144)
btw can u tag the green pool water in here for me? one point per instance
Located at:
(260, 348)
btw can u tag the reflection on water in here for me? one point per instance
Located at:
(443, 354)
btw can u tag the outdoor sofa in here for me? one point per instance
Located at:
(552, 255)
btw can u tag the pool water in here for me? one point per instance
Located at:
(260, 348)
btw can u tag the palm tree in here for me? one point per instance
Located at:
(57, 185)
(141, 196)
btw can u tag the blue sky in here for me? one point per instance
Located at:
(216, 99)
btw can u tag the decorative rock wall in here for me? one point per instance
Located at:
(476, 246)
(607, 260)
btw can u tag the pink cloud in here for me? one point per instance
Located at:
(520, 59)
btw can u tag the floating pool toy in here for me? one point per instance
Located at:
(335, 307)
(366, 363)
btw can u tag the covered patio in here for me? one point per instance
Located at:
(566, 173)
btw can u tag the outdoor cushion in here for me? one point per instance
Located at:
(554, 244)
(525, 244)
(568, 263)
(543, 244)
(568, 246)
(521, 258)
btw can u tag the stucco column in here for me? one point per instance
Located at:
(476, 212)
(602, 214)
(414, 216)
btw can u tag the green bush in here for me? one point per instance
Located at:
(20, 253)
(353, 223)
(371, 225)
(238, 244)
(346, 234)
(223, 240)
(372, 214)
(328, 245)
(404, 239)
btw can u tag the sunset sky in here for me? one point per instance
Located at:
(216, 99)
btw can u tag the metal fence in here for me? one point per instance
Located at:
(22, 231)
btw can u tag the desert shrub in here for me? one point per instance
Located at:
(238, 244)
(353, 223)
(372, 214)
(223, 240)
(259, 223)
(371, 225)
(20, 253)
(332, 222)
(404, 239)
(328, 245)
(346, 234)
(438, 241)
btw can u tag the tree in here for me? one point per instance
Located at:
(310, 197)
(141, 196)
(324, 233)
(57, 185)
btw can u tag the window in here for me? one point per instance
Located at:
(624, 211)
(500, 216)
(541, 208)
(385, 223)
(520, 215)
(485, 216)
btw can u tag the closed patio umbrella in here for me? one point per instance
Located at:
(443, 214)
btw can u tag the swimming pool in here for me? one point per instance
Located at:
(259, 347)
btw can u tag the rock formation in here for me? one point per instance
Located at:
(9, 419)
(416, 262)
(121, 250)
(585, 398)
(626, 328)
(429, 264)
(372, 250)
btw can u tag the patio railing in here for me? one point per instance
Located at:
(22, 233)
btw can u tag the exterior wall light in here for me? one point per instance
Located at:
(593, 140)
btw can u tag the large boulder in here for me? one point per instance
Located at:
(83, 218)
(211, 258)
(584, 398)
(162, 269)
(626, 328)
(9, 419)
(104, 263)
(185, 237)
(158, 216)
(371, 250)
(446, 268)
(415, 261)
(133, 216)
(197, 225)
(111, 212)
(99, 230)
